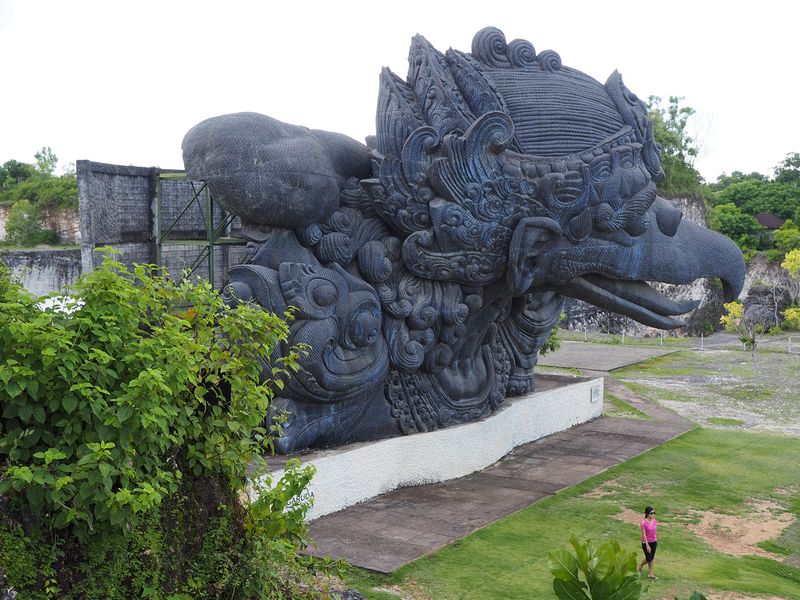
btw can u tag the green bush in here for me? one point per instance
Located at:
(131, 419)
(591, 573)
(104, 406)
(24, 226)
(43, 190)
(787, 238)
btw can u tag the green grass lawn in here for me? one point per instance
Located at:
(703, 470)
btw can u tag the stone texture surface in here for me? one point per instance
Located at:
(500, 182)
(118, 208)
(43, 271)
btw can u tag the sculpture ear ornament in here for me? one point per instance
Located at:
(532, 237)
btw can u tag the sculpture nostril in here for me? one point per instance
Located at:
(668, 219)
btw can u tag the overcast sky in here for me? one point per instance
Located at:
(122, 81)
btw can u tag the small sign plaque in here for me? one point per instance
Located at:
(596, 393)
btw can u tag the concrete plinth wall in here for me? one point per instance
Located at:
(352, 474)
(43, 271)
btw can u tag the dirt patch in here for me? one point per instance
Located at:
(738, 535)
(607, 488)
(612, 486)
(738, 596)
(734, 535)
(630, 516)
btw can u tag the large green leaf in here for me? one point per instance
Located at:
(630, 590)
(583, 552)
(569, 590)
(563, 565)
(606, 561)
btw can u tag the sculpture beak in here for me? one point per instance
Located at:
(671, 250)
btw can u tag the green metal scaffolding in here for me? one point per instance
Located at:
(215, 232)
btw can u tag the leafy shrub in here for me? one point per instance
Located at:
(43, 190)
(106, 409)
(791, 318)
(129, 424)
(792, 263)
(24, 226)
(787, 238)
(592, 573)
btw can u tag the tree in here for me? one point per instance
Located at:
(755, 195)
(787, 238)
(46, 161)
(724, 180)
(678, 148)
(748, 324)
(742, 228)
(13, 172)
(25, 225)
(44, 191)
(788, 171)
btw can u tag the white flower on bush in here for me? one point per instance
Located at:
(61, 304)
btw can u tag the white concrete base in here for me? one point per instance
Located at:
(357, 472)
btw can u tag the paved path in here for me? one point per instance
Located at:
(600, 357)
(389, 531)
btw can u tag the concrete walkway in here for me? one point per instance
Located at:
(389, 531)
(600, 357)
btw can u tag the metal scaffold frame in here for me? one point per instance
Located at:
(215, 233)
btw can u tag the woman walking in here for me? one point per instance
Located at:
(649, 540)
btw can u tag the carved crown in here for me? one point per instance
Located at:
(533, 131)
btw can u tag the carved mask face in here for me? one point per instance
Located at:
(337, 315)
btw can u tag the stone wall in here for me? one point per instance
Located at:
(43, 271)
(119, 208)
(64, 221)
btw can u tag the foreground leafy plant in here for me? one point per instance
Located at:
(106, 408)
(130, 424)
(604, 573)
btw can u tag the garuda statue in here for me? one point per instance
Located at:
(428, 267)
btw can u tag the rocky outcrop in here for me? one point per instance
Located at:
(64, 221)
(762, 272)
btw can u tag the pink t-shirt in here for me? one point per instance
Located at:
(649, 530)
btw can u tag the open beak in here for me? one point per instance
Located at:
(691, 252)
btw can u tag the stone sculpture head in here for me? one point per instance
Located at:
(536, 174)
(429, 268)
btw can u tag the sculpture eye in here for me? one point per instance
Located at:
(626, 158)
(324, 294)
(571, 188)
(601, 167)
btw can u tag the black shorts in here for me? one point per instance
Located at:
(649, 555)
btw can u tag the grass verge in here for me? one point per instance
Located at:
(619, 408)
(703, 470)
